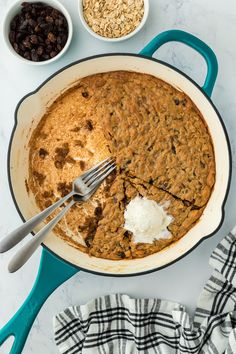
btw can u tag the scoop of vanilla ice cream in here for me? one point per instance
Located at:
(147, 220)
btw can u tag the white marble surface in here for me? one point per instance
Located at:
(215, 23)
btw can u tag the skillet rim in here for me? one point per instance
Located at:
(162, 63)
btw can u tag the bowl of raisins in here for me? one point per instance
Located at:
(38, 32)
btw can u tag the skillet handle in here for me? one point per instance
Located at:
(52, 273)
(193, 42)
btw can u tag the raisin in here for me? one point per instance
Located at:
(49, 19)
(64, 188)
(98, 211)
(55, 13)
(59, 22)
(150, 147)
(63, 151)
(23, 25)
(194, 207)
(37, 29)
(183, 102)
(39, 177)
(89, 125)
(85, 94)
(25, 4)
(51, 37)
(88, 241)
(164, 185)
(127, 235)
(151, 181)
(13, 23)
(48, 194)
(43, 153)
(176, 100)
(186, 202)
(82, 165)
(32, 23)
(173, 150)
(45, 56)
(53, 54)
(16, 47)
(26, 43)
(47, 203)
(58, 164)
(202, 164)
(48, 49)
(70, 160)
(121, 255)
(12, 36)
(27, 55)
(34, 55)
(34, 39)
(39, 50)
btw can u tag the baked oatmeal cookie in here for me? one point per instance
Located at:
(162, 147)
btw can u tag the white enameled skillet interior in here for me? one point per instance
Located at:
(32, 108)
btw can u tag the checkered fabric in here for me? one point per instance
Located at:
(118, 324)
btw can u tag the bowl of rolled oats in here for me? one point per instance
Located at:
(113, 21)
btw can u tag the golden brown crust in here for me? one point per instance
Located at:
(161, 144)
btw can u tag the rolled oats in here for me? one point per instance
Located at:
(113, 18)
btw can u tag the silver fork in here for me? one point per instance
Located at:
(80, 186)
(83, 187)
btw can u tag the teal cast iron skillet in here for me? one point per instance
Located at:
(53, 270)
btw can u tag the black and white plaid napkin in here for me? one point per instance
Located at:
(118, 324)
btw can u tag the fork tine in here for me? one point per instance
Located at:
(96, 171)
(102, 176)
(94, 168)
(99, 174)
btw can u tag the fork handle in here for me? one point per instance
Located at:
(22, 231)
(26, 251)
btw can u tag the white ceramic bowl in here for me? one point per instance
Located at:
(119, 39)
(15, 9)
